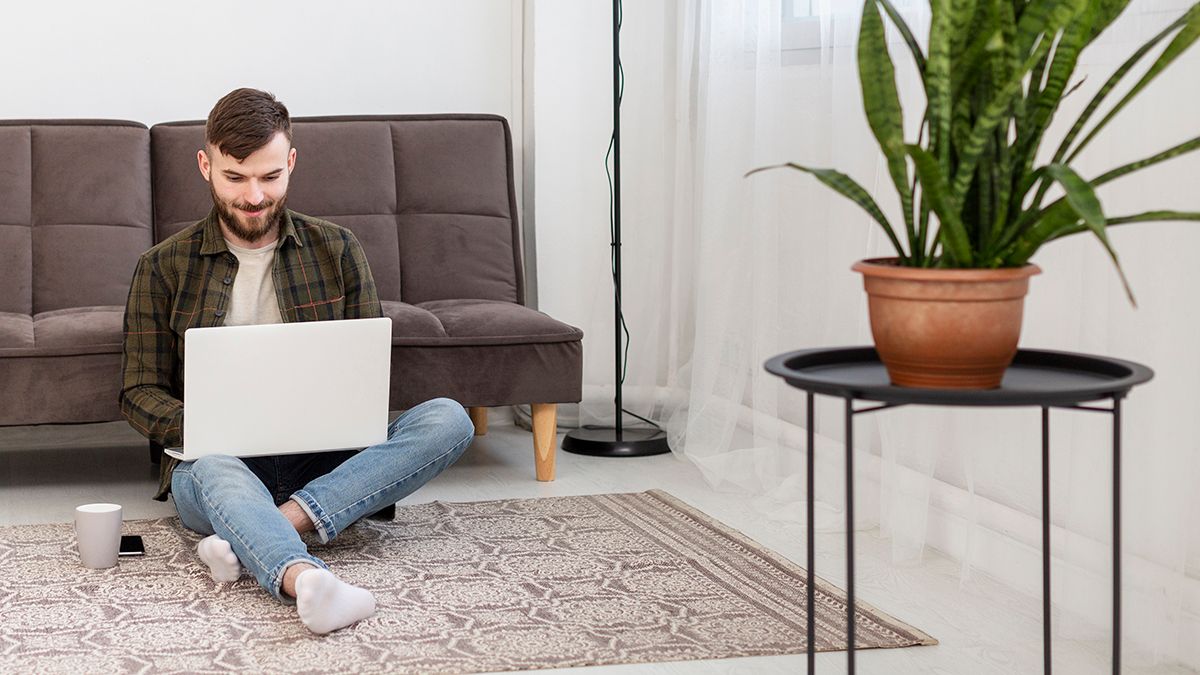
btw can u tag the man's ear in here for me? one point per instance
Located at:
(204, 164)
(291, 160)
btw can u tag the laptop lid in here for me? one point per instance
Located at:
(285, 388)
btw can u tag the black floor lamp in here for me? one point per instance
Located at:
(617, 441)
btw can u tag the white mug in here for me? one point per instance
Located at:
(98, 534)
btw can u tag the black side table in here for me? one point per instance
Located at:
(1036, 378)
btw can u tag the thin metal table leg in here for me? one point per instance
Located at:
(1046, 539)
(850, 534)
(1116, 546)
(812, 576)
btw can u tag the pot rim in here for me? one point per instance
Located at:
(887, 268)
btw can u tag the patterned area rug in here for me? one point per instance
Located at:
(472, 587)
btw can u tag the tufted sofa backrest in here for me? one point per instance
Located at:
(431, 197)
(74, 212)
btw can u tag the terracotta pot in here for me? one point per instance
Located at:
(945, 328)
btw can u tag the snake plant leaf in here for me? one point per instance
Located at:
(1041, 20)
(848, 188)
(1103, 92)
(1080, 195)
(1040, 225)
(1170, 153)
(1146, 217)
(1056, 227)
(1184, 39)
(1151, 216)
(881, 102)
(951, 232)
(1034, 229)
(1081, 199)
(1107, 11)
(962, 16)
(906, 33)
(1075, 87)
(1114, 79)
(967, 64)
(1007, 58)
(1022, 105)
(937, 81)
(1002, 178)
(1066, 54)
(921, 250)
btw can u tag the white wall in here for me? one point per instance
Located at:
(573, 107)
(155, 61)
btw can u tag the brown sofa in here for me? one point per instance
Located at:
(430, 197)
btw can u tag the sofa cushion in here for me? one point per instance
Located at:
(84, 264)
(16, 331)
(71, 226)
(409, 322)
(491, 322)
(16, 249)
(467, 323)
(457, 255)
(62, 332)
(16, 267)
(80, 327)
(456, 209)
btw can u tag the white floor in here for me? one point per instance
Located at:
(983, 628)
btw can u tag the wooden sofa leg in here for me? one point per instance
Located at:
(479, 419)
(545, 437)
(156, 452)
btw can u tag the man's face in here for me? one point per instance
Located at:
(250, 195)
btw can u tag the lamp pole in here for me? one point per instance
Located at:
(617, 441)
(616, 244)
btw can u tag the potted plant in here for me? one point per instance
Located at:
(946, 311)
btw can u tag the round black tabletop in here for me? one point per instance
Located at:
(1036, 377)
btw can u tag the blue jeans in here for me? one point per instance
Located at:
(237, 499)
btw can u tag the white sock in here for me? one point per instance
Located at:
(222, 562)
(326, 603)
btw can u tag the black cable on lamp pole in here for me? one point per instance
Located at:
(616, 441)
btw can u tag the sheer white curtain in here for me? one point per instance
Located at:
(723, 272)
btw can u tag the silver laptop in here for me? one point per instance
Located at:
(285, 388)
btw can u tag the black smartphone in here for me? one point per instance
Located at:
(131, 544)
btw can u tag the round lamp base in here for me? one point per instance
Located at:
(604, 442)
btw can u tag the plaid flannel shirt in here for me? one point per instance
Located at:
(185, 281)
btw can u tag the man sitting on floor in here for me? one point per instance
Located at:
(252, 261)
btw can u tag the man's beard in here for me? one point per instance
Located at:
(259, 226)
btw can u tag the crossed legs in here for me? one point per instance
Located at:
(323, 602)
(220, 496)
(224, 565)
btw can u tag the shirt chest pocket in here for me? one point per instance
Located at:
(324, 304)
(309, 288)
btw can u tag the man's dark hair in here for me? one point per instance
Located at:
(245, 120)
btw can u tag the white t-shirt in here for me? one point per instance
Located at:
(252, 300)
